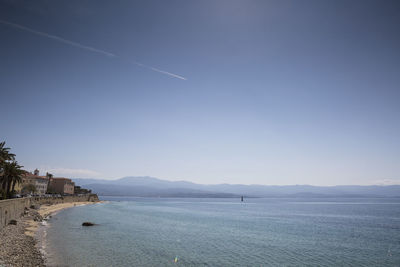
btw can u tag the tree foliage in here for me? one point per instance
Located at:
(10, 171)
(5, 154)
(12, 174)
(29, 188)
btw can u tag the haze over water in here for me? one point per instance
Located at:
(226, 232)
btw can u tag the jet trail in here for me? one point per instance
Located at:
(92, 49)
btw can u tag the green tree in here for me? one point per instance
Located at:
(51, 190)
(29, 188)
(5, 154)
(49, 177)
(10, 171)
(11, 175)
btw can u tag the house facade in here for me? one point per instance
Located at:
(63, 186)
(40, 183)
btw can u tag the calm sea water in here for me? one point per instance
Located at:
(225, 232)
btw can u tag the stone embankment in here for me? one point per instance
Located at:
(13, 209)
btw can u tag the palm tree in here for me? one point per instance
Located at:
(5, 154)
(18, 179)
(49, 177)
(12, 174)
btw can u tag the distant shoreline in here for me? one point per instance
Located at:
(138, 186)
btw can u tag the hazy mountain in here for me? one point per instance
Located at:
(147, 191)
(153, 187)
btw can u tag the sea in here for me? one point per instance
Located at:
(226, 232)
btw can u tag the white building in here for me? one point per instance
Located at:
(40, 182)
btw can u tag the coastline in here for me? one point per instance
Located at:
(45, 210)
(20, 244)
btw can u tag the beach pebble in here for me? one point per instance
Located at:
(18, 249)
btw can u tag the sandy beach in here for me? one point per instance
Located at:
(47, 210)
(18, 246)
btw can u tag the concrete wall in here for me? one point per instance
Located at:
(12, 209)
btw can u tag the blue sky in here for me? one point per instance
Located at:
(276, 92)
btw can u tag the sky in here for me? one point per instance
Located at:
(213, 91)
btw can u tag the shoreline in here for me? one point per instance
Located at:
(45, 210)
(39, 229)
(21, 244)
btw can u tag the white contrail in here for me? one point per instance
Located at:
(92, 49)
(160, 71)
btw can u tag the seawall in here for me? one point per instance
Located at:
(12, 209)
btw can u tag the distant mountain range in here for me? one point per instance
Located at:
(153, 187)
